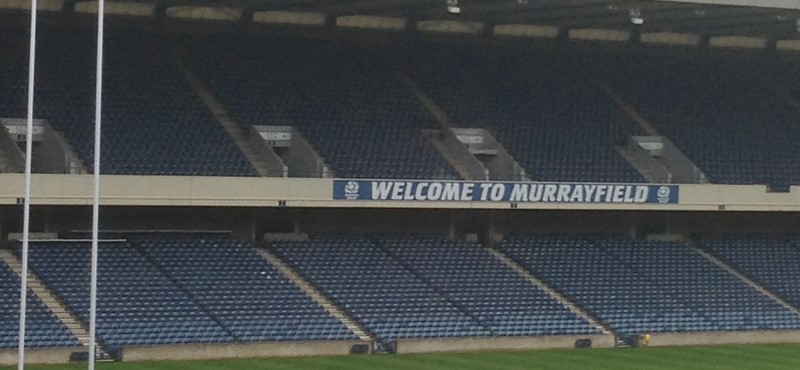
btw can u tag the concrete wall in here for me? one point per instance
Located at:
(251, 223)
(8, 357)
(333, 348)
(500, 343)
(333, 221)
(302, 192)
(720, 338)
(10, 149)
(246, 350)
(50, 155)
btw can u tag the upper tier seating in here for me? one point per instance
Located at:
(497, 296)
(720, 112)
(639, 287)
(247, 294)
(725, 113)
(136, 304)
(153, 122)
(378, 291)
(42, 328)
(771, 262)
(352, 106)
(558, 125)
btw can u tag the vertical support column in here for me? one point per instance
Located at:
(451, 232)
(491, 230)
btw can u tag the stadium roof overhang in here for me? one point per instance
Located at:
(754, 20)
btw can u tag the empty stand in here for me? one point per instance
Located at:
(639, 287)
(244, 292)
(555, 123)
(499, 298)
(718, 111)
(136, 304)
(733, 117)
(352, 106)
(375, 289)
(42, 328)
(153, 122)
(770, 262)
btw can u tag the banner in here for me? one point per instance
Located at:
(512, 192)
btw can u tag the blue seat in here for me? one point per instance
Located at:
(770, 261)
(248, 295)
(153, 124)
(133, 296)
(637, 286)
(43, 329)
(378, 291)
(359, 116)
(498, 297)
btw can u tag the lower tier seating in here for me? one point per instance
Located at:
(42, 328)
(377, 290)
(210, 288)
(136, 304)
(502, 300)
(639, 287)
(237, 286)
(771, 262)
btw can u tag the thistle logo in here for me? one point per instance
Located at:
(663, 194)
(351, 190)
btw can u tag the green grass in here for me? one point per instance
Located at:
(760, 357)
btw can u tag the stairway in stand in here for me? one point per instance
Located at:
(59, 310)
(600, 326)
(316, 295)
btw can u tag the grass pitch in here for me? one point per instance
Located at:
(757, 357)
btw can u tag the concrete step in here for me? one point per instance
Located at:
(761, 289)
(454, 162)
(315, 295)
(71, 151)
(551, 292)
(640, 167)
(627, 108)
(59, 310)
(222, 116)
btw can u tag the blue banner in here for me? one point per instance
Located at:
(513, 192)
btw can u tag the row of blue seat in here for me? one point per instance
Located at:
(153, 121)
(540, 104)
(206, 288)
(42, 328)
(638, 286)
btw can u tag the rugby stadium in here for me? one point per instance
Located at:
(401, 184)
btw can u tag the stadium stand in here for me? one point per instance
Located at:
(42, 328)
(374, 288)
(352, 106)
(639, 287)
(154, 124)
(722, 112)
(770, 261)
(496, 296)
(552, 120)
(136, 304)
(239, 288)
(202, 287)
(546, 111)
